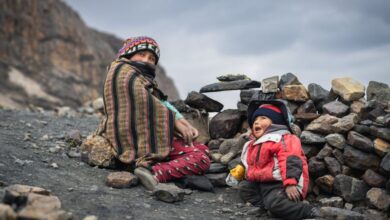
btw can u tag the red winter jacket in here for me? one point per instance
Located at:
(276, 157)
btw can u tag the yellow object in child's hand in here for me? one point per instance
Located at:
(238, 172)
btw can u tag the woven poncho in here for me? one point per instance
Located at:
(136, 122)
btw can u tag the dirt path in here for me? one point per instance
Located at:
(81, 188)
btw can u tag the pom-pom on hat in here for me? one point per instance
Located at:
(270, 111)
(135, 44)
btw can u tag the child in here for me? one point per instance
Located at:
(139, 122)
(275, 166)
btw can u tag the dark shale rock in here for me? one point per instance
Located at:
(225, 124)
(374, 179)
(201, 101)
(306, 117)
(181, 106)
(232, 77)
(217, 168)
(383, 133)
(326, 151)
(308, 137)
(335, 108)
(337, 213)
(307, 107)
(214, 144)
(317, 167)
(338, 155)
(362, 129)
(378, 91)
(317, 93)
(359, 141)
(310, 150)
(217, 179)
(233, 85)
(246, 95)
(350, 188)
(333, 166)
(336, 140)
(375, 113)
(288, 79)
(242, 107)
(385, 164)
(360, 160)
(325, 183)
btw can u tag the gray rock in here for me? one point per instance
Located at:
(307, 107)
(270, 84)
(242, 107)
(217, 168)
(217, 179)
(362, 129)
(332, 202)
(233, 85)
(308, 137)
(121, 179)
(360, 160)
(323, 124)
(375, 113)
(350, 188)
(378, 198)
(336, 140)
(335, 108)
(306, 117)
(246, 95)
(383, 133)
(181, 106)
(214, 144)
(345, 124)
(232, 77)
(292, 106)
(168, 193)
(378, 91)
(385, 164)
(326, 151)
(341, 214)
(288, 79)
(201, 101)
(310, 150)
(333, 166)
(233, 163)
(317, 93)
(338, 155)
(225, 124)
(360, 141)
(374, 179)
(317, 167)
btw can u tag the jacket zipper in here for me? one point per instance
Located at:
(258, 153)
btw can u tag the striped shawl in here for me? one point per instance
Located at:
(136, 123)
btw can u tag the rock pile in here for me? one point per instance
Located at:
(345, 134)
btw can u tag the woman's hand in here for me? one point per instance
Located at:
(292, 193)
(186, 131)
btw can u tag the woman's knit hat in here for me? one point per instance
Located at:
(270, 111)
(135, 44)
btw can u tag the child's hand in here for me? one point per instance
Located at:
(292, 193)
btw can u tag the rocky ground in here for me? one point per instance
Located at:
(34, 152)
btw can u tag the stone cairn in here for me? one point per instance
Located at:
(345, 134)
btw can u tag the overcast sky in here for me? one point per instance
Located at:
(200, 40)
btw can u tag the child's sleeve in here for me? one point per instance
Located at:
(290, 156)
(178, 115)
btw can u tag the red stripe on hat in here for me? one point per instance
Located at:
(272, 107)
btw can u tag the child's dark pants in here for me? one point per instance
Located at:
(272, 196)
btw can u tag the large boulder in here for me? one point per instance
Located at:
(323, 124)
(360, 141)
(308, 137)
(297, 93)
(374, 179)
(317, 93)
(225, 124)
(335, 108)
(378, 198)
(345, 123)
(288, 79)
(348, 88)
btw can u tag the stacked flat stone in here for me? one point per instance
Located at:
(345, 134)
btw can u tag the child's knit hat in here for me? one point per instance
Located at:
(135, 44)
(275, 109)
(272, 112)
